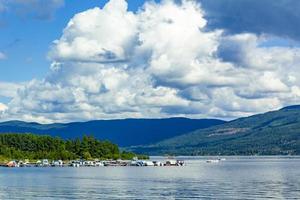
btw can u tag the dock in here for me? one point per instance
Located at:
(94, 163)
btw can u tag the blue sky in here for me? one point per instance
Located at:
(25, 40)
(198, 59)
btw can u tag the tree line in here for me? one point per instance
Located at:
(33, 147)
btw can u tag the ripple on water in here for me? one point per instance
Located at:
(235, 178)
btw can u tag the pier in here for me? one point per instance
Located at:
(93, 163)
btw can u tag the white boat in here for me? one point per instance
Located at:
(42, 163)
(213, 161)
(157, 163)
(171, 163)
(22, 163)
(57, 163)
(89, 163)
(180, 163)
(75, 163)
(141, 163)
(45, 163)
(135, 163)
(148, 163)
(99, 164)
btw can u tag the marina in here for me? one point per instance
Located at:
(94, 163)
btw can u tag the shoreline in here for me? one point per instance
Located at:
(93, 163)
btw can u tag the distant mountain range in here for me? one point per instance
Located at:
(125, 132)
(276, 132)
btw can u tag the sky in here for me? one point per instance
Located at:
(63, 60)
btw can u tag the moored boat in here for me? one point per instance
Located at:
(213, 161)
(12, 163)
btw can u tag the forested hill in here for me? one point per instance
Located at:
(276, 132)
(124, 132)
(29, 146)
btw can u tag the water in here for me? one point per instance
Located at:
(235, 178)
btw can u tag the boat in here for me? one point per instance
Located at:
(180, 163)
(157, 163)
(171, 163)
(137, 163)
(148, 163)
(111, 163)
(75, 163)
(98, 164)
(24, 163)
(89, 163)
(12, 164)
(57, 163)
(45, 163)
(213, 161)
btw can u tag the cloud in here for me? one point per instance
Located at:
(39, 9)
(91, 36)
(9, 89)
(2, 56)
(161, 61)
(3, 108)
(280, 17)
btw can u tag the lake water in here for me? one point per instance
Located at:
(235, 178)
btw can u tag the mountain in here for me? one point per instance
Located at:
(276, 132)
(125, 132)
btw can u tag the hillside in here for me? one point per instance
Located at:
(34, 147)
(126, 132)
(276, 132)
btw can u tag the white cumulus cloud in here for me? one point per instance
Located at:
(9, 89)
(92, 36)
(158, 62)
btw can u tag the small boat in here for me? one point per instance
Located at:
(45, 163)
(89, 163)
(111, 163)
(148, 163)
(157, 163)
(171, 163)
(174, 163)
(99, 164)
(180, 163)
(57, 163)
(141, 163)
(213, 161)
(23, 163)
(75, 164)
(12, 164)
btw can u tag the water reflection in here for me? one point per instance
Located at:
(235, 178)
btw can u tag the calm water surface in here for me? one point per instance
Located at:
(235, 178)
